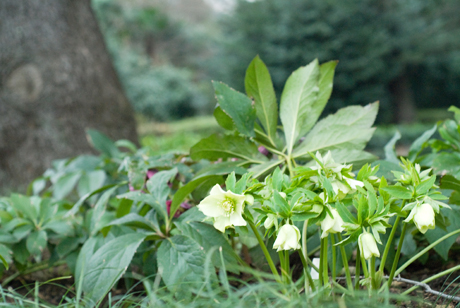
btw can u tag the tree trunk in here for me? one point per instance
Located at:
(56, 80)
(403, 99)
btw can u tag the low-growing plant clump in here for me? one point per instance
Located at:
(282, 210)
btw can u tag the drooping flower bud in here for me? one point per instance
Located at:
(368, 246)
(332, 225)
(423, 217)
(288, 238)
(270, 221)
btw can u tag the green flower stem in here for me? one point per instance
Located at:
(321, 263)
(287, 265)
(264, 249)
(425, 250)
(324, 258)
(398, 253)
(283, 266)
(372, 270)
(448, 271)
(304, 238)
(358, 269)
(363, 264)
(307, 272)
(334, 257)
(389, 242)
(289, 165)
(345, 263)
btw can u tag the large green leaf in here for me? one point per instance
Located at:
(65, 184)
(136, 221)
(223, 119)
(99, 210)
(23, 205)
(297, 107)
(102, 143)
(259, 86)
(36, 242)
(450, 182)
(181, 260)
(108, 264)
(229, 146)
(447, 162)
(91, 181)
(433, 235)
(159, 189)
(208, 237)
(347, 129)
(238, 106)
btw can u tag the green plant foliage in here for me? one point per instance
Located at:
(304, 97)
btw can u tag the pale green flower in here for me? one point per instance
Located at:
(332, 224)
(225, 207)
(288, 238)
(422, 216)
(368, 246)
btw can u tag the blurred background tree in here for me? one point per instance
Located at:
(403, 53)
(56, 80)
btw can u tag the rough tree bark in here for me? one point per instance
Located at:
(56, 80)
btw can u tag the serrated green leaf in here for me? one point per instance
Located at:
(108, 264)
(102, 143)
(22, 205)
(450, 182)
(230, 182)
(281, 203)
(65, 184)
(208, 237)
(36, 242)
(181, 260)
(258, 84)
(99, 210)
(425, 186)
(229, 146)
(91, 181)
(345, 214)
(264, 168)
(159, 189)
(237, 106)
(223, 119)
(398, 192)
(348, 129)
(297, 105)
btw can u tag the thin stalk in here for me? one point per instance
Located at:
(345, 263)
(304, 238)
(264, 249)
(307, 272)
(324, 257)
(287, 265)
(321, 263)
(289, 165)
(358, 268)
(390, 240)
(282, 264)
(334, 257)
(398, 253)
(425, 250)
(363, 264)
(372, 270)
(448, 271)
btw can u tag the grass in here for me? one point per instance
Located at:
(177, 136)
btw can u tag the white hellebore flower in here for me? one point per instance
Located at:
(368, 246)
(423, 216)
(225, 207)
(288, 238)
(332, 225)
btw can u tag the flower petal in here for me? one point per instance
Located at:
(220, 223)
(210, 206)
